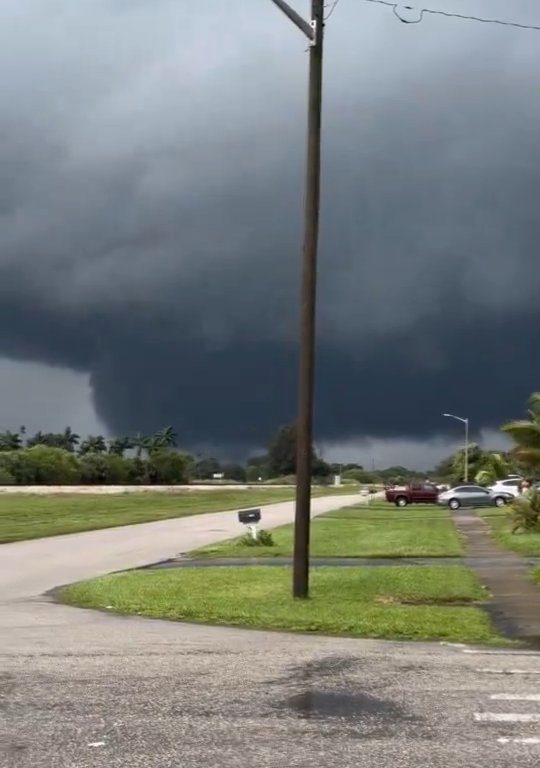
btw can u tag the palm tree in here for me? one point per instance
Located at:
(163, 439)
(141, 443)
(526, 434)
(69, 439)
(10, 441)
(119, 445)
(492, 467)
(93, 444)
(40, 438)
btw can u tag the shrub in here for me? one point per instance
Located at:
(6, 478)
(104, 469)
(169, 468)
(41, 465)
(525, 512)
(264, 539)
(360, 475)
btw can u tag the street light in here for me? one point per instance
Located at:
(466, 455)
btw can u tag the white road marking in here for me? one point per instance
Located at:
(531, 740)
(97, 744)
(515, 697)
(507, 717)
(509, 671)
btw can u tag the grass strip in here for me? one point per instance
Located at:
(33, 516)
(396, 603)
(522, 543)
(380, 530)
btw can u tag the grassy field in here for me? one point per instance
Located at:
(380, 530)
(32, 517)
(522, 543)
(407, 603)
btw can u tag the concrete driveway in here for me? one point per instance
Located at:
(81, 689)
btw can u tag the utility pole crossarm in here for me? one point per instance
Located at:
(303, 25)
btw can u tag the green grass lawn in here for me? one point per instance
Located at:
(33, 516)
(361, 602)
(522, 543)
(380, 530)
(536, 575)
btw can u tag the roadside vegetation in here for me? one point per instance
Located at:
(408, 603)
(377, 530)
(518, 527)
(524, 542)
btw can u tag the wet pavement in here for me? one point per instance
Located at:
(85, 689)
(515, 603)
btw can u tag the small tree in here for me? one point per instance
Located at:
(93, 444)
(10, 441)
(282, 454)
(525, 512)
(169, 468)
(205, 469)
(104, 469)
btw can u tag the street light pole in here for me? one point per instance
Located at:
(314, 31)
(466, 453)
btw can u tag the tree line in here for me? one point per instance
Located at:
(63, 458)
(54, 458)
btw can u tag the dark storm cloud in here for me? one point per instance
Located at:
(152, 162)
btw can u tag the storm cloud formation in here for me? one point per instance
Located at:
(152, 158)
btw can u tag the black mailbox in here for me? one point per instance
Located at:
(250, 516)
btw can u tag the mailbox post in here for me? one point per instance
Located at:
(251, 518)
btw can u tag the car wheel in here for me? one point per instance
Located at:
(500, 501)
(401, 501)
(454, 504)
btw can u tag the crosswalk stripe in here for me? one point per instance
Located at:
(507, 717)
(515, 696)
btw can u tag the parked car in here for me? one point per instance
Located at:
(415, 493)
(510, 485)
(473, 496)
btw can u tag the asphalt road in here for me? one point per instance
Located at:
(81, 689)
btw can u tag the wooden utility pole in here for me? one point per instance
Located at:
(314, 30)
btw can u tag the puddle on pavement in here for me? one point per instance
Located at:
(351, 706)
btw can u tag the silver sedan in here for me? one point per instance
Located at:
(473, 496)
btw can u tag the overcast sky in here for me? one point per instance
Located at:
(152, 158)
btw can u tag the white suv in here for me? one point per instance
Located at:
(510, 485)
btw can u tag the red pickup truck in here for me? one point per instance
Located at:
(415, 493)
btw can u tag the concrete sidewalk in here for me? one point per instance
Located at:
(30, 568)
(515, 602)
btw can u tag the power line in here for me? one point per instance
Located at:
(332, 9)
(449, 15)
